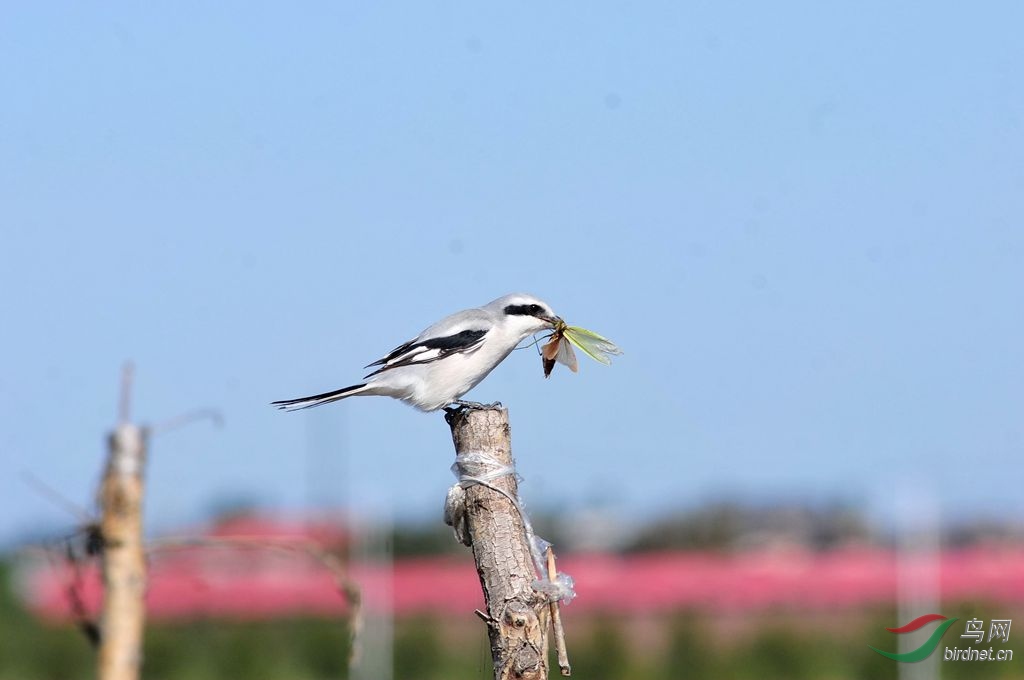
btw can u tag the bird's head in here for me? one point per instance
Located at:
(525, 314)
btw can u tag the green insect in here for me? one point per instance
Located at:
(597, 347)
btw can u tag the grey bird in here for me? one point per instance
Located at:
(448, 359)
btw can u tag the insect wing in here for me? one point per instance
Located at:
(597, 347)
(550, 350)
(567, 357)
(558, 350)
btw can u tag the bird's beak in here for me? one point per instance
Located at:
(555, 321)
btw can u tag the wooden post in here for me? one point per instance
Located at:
(517, 615)
(123, 563)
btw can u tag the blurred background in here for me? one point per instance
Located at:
(802, 223)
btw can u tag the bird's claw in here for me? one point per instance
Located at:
(476, 405)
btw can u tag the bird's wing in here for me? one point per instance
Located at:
(458, 333)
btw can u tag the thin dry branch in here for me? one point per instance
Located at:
(73, 555)
(348, 588)
(556, 621)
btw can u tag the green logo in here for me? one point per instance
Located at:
(925, 650)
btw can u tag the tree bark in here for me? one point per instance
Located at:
(517, 615)
(124, 566)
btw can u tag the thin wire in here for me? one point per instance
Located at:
(535, 343)
(210, 414)
(562, 587)
(55, 497)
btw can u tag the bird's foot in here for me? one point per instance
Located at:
(475, 404)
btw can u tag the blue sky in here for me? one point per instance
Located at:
(802, 222)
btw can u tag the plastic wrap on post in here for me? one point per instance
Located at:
(477, 467)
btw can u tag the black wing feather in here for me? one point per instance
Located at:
(392, 355)
(462, 340)
(410, 352)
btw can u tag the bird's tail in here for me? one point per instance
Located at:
(318, 399)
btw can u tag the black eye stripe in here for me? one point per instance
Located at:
(524, 310)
